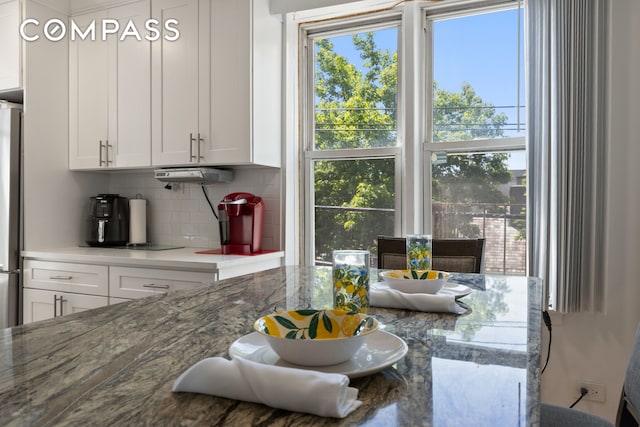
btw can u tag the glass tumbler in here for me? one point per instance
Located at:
(419, 251)
(351, 280)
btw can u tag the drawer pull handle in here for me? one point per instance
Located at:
(153, 285)
(61, 277)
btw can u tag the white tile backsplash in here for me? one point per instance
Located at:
(182, 216)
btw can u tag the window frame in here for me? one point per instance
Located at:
(309, 154)
(486, 145)
(415, 93)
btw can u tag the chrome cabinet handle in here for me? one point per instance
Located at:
(55, 305)
(154, 286)
(60, 277)
(100, 146)
(191, 141)
(200, 140)
(107, 145)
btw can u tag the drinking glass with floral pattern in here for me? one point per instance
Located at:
(351, 281)
(418, 252)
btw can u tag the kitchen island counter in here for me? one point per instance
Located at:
(116, 365)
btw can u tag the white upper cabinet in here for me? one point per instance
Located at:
(180, 86)
(246, 84)
(110, 93)
(207, 91)
(217, 89)
(10, 46)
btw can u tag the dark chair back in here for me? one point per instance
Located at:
(392, 253)
(458, 255)
(454, 255)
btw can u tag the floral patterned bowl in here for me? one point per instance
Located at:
(315, 337)
(416, 281)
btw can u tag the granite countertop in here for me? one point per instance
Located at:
(185, 258)
(116, 365)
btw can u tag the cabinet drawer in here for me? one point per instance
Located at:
(67, 277)
(127, 282)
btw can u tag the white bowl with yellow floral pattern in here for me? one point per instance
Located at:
(415, 281)
(315, 337)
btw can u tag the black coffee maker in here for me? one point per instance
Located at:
(108, 222)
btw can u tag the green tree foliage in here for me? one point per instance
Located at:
(356, 107)
(464, 116)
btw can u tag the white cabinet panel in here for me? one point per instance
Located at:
(246, 84)
(181, 100)
(42, 304)
(130, 90)
(66, 277)
(113, 300)
(88, 97)
(110, 93)
(10, 43)
(127, 282)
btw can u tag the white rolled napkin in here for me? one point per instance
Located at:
(381, 295)
(297, 390)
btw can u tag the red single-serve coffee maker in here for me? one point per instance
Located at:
(241, 218)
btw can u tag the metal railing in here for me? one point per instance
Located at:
(501, 224)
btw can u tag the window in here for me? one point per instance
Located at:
(364, 174)
(476, 141)
(352, 144)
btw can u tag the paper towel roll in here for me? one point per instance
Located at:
(137, 221)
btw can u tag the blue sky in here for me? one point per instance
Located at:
(480, 50)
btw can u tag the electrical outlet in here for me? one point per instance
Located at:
(596, 392)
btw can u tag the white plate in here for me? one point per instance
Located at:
(449, 288)
(380, 350)
(455, 289)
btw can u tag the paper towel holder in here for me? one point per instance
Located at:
(138, 221)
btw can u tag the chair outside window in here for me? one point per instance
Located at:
(454, 255)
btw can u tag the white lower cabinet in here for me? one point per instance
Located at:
(42, 304)
(67, 277)
(52, 289)
(130, 282)
(113, 301)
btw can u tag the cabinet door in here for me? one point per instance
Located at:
(129, 282)
(10, 64)
(246, 75)
(38, 305)
(175, 85)
(130, 90)
(230, 82)
(41, 304)
(75, 303)
(88, 97)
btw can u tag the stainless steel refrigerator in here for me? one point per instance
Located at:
(10, 202)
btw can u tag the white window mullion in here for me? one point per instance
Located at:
(413, 103)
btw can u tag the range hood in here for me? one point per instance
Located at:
(201, 175)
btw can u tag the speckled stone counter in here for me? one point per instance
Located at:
(116, 365)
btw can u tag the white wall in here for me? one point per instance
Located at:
(53, 196)
(596, 347)
(182, 216)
